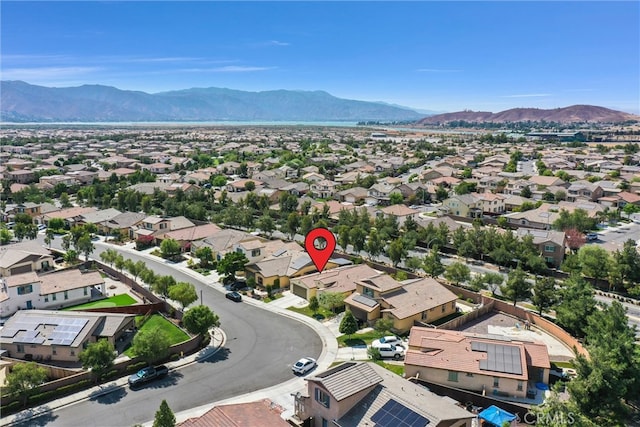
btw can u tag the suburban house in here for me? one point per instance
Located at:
(400, 212)
(24, 257)
(154, 225)
(122, 224)
(59, 335)
(380, 193)
(324, 189)
(550, 244)
(260, 413)
(465, 205)
(355, 195)
(341, 279)
(222, 241)
(356, 394)
(70, 216)
(584, 190)
(186, 236)
(416, 300)
(481, 363)
(50, 291)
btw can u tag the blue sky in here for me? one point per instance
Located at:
(443, 56)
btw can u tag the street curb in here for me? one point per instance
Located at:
(103, 390)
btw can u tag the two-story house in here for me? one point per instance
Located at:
(416, 300)
(341, 279)
(550, 244)
(24, 257)
(465, 205)
(324, 189)
(355, 394)
(584, 190)
(483, 364)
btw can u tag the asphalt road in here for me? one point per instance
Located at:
(613, 238)
(260, 349)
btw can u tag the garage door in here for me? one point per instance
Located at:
(299, 291)
(22, 269)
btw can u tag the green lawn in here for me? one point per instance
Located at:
(114, 301)
(175, 334)
(396, 369)
(357, 339)
(321, 314)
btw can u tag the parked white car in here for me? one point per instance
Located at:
(390, 350)
(304, 365)
(389, 339)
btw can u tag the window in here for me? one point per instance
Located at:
(469, 374)
(443, 307)
(367, 291)
(425, 315)
(519, 385)
(66, 294)
(549, 248)
(255, 252)
(73, 353)
(20, 348)
(322, 397)
(496, 382)
(26, 289)
(85, 290)
(453, 305)
(54, 350)
(549, 260)
(453, 376)
(46, 298)
(53, 296)
(259, 280)
(325, 423)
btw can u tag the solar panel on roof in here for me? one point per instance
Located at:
(9, 333)
(365, 300)
(394, 414)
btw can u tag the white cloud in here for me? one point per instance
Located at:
(227, 69)
(46, 73)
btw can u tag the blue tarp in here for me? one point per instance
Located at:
(496, 416)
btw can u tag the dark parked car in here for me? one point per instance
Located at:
(147, 374)
(234, 296)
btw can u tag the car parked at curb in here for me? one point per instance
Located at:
(592, 236)
(304, 365)
(234, 296)
(147, 374)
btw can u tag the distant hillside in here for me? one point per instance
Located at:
(572, 114)
(22, 102)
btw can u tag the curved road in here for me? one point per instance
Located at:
(260, 348)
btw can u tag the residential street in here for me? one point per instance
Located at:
(261, 347)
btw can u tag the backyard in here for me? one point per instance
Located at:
(175, 334)
(114, 301)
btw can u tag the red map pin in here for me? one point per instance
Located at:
(320, 244)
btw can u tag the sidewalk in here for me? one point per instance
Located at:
(218, 339)
(280, 393)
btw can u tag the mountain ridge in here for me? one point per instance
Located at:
(572, 114)
(22, 102)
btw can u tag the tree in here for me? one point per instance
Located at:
(374, 244)
(205, 255)
(164, 416)
(23, 380)
(413, 263)
(170, 248)
(348, 324)
(70, 256)
(64, 201)
(395, 198)
(56, 224)
(314, 305)
(6, 236)
(151, 345)
(517, 287)
(184, 293)
(457, 273)
(544, 294)
(612, 373)
(292, 225)
(628, 261)
(331, 300)
(357, 236)
(432, 264)
(98, 357)
(163, 284)
(493, 281)
(594, 261)
(343, 236)
(576, 305)
(575, 239)
(109, 256)
(396, 251)
(525, 192)
(383, 326)
(266, 224)
(230, 264)
(199, 319)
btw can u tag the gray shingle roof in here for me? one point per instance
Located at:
(348, 379)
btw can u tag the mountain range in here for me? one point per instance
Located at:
(23, 102)
(572, 114)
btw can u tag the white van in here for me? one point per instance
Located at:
(390, 350)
